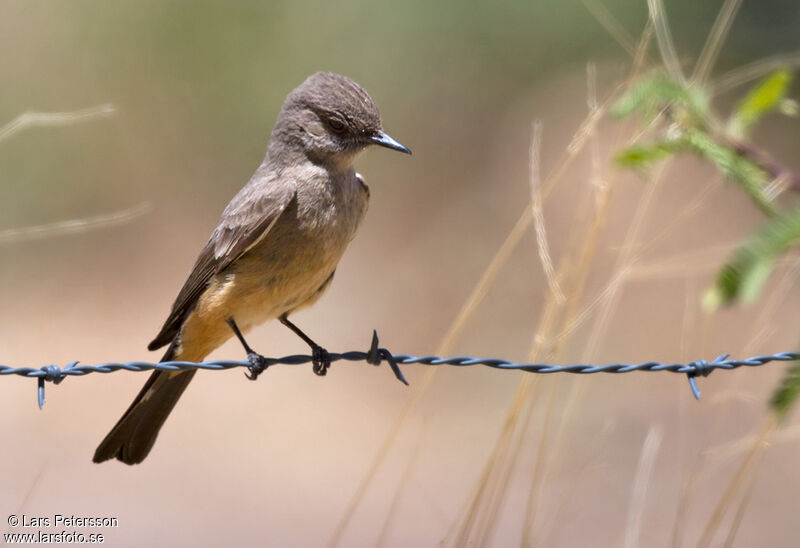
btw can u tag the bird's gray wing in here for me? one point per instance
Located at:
(246, 220)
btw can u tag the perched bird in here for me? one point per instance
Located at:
(274, 250)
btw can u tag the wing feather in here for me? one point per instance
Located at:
(246, 220)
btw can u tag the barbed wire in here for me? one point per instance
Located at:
(376, 355)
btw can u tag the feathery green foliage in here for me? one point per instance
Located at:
(733, 165)
(744, 275)
(688, 112)
(787, 392)
(690, 127)
(656, 91)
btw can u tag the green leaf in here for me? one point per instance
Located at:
(655, 91)
(642, 157)
(744, 275)
(787, 391)
(767, 95)
(733, 165)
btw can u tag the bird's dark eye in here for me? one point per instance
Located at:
(337, 126)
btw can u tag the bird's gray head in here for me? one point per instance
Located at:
(329, 119)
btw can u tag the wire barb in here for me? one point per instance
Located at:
(52, 373)
(375, 355)
(701, 368)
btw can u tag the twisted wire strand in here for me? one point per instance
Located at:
(375, 356)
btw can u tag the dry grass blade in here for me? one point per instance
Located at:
(737, 518)
(476, 296)
(537, 480)
(34, 484)
(487, 279)
(73, 226)
(538, 215)
(50, 119)
(684, 265)
(581, 257)
(598, 181)
(398, 495)
(641, 482)
(584, 260)
(664, 38)
(755, 70)
(577, 320)
(684, 500)
(585, 130)
(613, 27)
(756, 444)
(625, 261)
(689, 209)
(778, 297)
(715, 40)
(731, 449)
(500, 455)
(417, 392)
(736, 482)
(513, 238)
(509, 462)
(487, 478)
(688, 322)
(688, 328)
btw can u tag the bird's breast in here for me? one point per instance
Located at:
(329, 210)
(298, 255)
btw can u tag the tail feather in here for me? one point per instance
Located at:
(135, 433)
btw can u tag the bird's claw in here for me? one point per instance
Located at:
(258, 364)
(321, 360)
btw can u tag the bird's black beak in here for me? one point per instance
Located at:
(383, 139)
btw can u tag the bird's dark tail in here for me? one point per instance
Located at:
(135, 433)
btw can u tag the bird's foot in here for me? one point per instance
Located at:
(258, 364)
(320, 359)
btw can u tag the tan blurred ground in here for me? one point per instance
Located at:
(197, 87)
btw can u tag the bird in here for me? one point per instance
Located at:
(274, 250)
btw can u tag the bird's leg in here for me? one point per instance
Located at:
(319, 356)
(258, 363)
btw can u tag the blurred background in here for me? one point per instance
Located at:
(471, 455)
